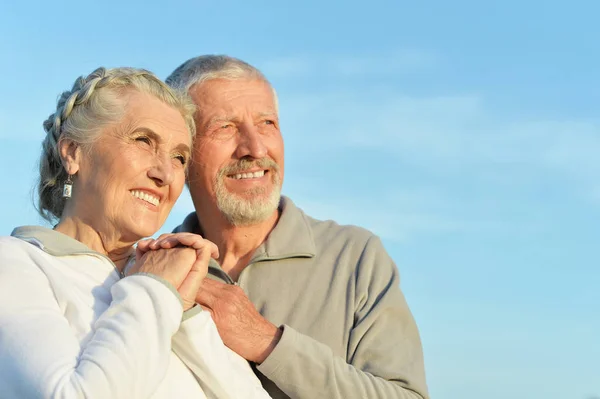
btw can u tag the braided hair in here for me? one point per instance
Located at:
(93, 102)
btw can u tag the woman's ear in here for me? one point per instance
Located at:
(70, 154)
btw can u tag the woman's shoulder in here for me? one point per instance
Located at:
(19, 251)
(11, 243)
(30, 239)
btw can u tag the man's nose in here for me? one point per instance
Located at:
(251, 143)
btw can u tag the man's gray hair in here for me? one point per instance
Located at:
(208, 67)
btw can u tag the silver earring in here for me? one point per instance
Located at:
(68, 187)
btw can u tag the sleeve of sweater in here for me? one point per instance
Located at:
(385, 358)
(221, 373)
(126, 357)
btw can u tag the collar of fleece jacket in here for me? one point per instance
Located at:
(51, 241)
(292, 237)
(56, 243)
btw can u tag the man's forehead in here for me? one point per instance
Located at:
(224, 91)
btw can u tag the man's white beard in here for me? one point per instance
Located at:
(254, 207)
(247, 211)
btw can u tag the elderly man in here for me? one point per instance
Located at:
(315, 306)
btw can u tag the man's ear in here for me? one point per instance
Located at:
(70, 154)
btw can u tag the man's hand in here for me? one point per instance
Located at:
(240, 325)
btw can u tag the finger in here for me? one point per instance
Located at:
(166, 243)
(209, 247)
(191, 285)
(172, 240)
(143, 244)
(162, 237)
(142, 247)
(189, 240)
(202, 258)
(214, 250)
(165, 235)
(197, 242)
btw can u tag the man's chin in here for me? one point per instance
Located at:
(252, 200)
(248, 209)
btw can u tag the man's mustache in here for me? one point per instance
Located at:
(244, 164)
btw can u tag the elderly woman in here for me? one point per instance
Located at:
(81, 314)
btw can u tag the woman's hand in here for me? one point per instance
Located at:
(172, 240)
(183, 267)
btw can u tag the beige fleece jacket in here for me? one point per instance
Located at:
(348, 331)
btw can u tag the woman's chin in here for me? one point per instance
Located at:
(140, 231)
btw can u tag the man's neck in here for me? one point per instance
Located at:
(236, 244)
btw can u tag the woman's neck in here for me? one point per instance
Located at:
(106, 244)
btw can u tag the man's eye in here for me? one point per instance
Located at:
(269, 122)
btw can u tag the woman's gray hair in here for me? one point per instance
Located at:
(81, 113)
(208, 67)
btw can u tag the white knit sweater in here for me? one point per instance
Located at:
(70, 327)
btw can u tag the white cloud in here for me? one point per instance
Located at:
(436, 131)
(448, 136)
(444, 132)
(402, 215)
(387, 221)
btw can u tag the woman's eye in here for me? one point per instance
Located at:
(181, 159)
(143, 139)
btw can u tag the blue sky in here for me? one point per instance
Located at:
(466, 134)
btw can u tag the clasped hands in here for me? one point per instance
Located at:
(182, 260)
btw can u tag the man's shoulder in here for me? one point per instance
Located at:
(324, 230)
(189, 225)
(353, 244)
(327, 231)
